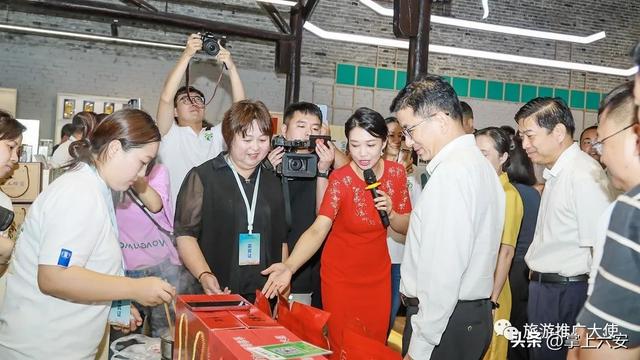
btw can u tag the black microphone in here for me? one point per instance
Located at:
(370, 179)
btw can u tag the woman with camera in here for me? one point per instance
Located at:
(67, 268)
(355, 268)
(230, 221)
(10, 140)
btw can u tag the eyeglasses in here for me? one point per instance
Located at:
(407, 132)
(196, 100)
(597, 146)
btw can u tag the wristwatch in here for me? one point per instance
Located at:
(494, 305)
(324, 174)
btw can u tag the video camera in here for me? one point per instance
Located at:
(211, 43)
(298, 165)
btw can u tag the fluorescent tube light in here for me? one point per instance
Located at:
(75, 35)
(495, 28)
(279, 2)
(403, 44)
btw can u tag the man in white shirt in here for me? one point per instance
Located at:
(576, 193)
(187, 140)
(454, 231)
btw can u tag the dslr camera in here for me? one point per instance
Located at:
(298, 165)
(211, 43)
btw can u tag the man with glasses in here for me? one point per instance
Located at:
(587, 138)
(576, 194)
(454, 231)
(615, 300)
(187, 139)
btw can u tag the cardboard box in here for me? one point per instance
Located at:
(226, 333)
(24, 185)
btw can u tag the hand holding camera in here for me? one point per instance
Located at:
(288, 162)
(194, 44)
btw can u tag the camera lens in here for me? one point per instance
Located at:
(211, 47)
(296, 164)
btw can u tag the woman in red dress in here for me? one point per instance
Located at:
(355, 265)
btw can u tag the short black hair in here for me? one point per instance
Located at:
(593, 127)
(427, 94)
(501, 142)
(183, 90)
(369, 120)
(302, 107)
(467, 112)
(67, 129)
(520, 169)
(391, 119)
(620, 104)
(548, 113)
(508, 129)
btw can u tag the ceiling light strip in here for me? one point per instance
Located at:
(495, 28)
(402, 44)
(279, 2)
(68, 34)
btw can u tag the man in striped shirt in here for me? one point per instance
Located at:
(612, 312)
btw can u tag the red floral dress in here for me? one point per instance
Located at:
(355, 267)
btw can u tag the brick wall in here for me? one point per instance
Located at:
(41, 67)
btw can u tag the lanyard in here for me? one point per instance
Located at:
(251, 208)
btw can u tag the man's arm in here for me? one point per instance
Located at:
(326, 156)
(165, 117)
(237, 89)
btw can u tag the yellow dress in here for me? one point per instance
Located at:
(512, 219)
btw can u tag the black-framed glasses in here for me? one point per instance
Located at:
(197, 100)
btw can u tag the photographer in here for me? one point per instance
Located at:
(302, 119)
(187, 139)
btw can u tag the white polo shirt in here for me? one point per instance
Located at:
(181, 149)
(453, 240)
(74, 213)
(575, 195)
(61, 156)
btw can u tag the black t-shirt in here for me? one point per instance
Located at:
(303, 214)
(210, 208)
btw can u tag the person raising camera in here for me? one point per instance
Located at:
(187, 139)
(304, 194)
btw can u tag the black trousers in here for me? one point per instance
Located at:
(519, 282)
(467, 335)
(551, 303)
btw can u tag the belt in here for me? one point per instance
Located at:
(556, 278)
(410, 301)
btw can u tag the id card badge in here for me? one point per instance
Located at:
(249, 249)
(120, 312)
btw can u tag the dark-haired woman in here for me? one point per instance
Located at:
(495, 145)
(10, 140)
(523, 177)
(230, 221)
(355, 267)
(67, 268)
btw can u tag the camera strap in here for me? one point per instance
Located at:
(136, 200)
(215, 89)
(287, 200)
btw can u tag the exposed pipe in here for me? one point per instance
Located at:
(96, 8)
(140, 4)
